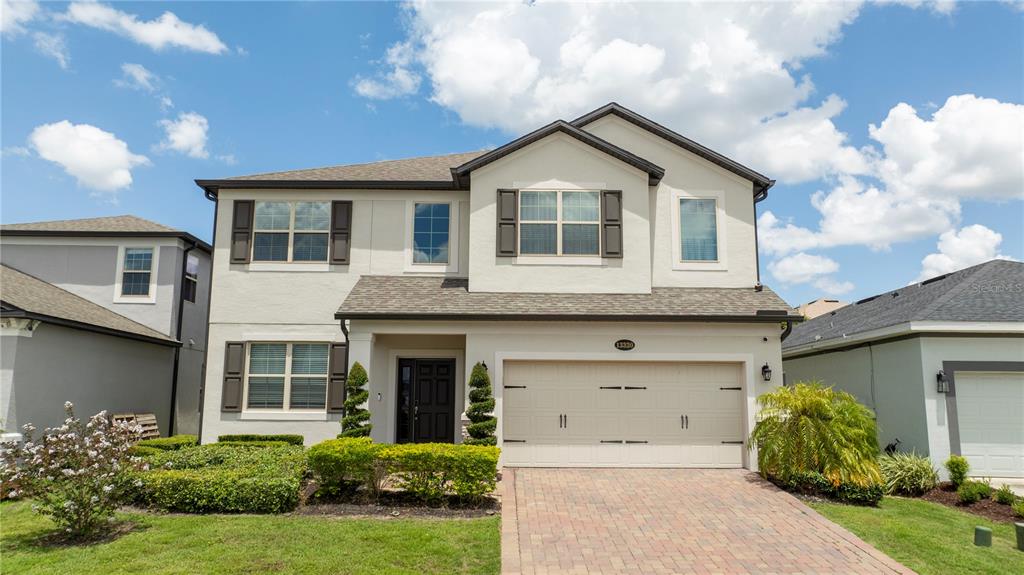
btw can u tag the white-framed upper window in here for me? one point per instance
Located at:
(698, 234)
(136, 274)
(557, 223)
(291, 231)
(286, 376)
(432, 236)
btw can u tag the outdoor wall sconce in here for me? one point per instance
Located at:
(484, 364)
(766, 372)
(943, 383)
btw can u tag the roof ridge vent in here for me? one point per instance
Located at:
(865, 300)
(934, 279)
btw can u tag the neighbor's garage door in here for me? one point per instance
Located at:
(622, 414)
(990, 410)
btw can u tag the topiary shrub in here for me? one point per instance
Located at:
(971, 491)
(1004, 495)
(344, 464)
(287, 438)
(958, 468)
(356, 422)
(170, 443)
(907, 474)
(481, 408)
(808, 427)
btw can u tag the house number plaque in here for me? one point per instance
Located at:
(625, 344)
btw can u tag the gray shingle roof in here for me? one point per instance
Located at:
(425, 169)
(125, 223)
(25, 295)
(992, 291)
(397, 297)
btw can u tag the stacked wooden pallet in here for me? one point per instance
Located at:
(150, 429)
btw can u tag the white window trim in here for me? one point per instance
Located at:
(287, 375)
(557, 258)
(721, 264)
(454, 223)
(291, 262)
(150, 298)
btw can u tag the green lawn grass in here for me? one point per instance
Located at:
(929, 538)
(223, 544)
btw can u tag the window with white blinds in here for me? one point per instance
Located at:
(698, 230)
(287, 376)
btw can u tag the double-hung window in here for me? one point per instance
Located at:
(191, 284)
(430, 233)
(137, 270)
(560, 223)
(291, 231)
(698, 230)
(288, 376)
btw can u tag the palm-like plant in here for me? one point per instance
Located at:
(808, 427)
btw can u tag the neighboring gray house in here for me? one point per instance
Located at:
(941, 362)
(139, 270)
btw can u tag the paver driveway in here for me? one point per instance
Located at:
(669, 521)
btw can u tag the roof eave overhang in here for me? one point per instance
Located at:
(213, 187)
(20, 313)
(764, 318)
(111, 234)
(1011, 329)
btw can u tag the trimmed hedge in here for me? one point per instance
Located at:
(221, 478)
(170, 443)
(344, 464)
(255, 443)
(817, 484)
(290, 439)
(143, 451)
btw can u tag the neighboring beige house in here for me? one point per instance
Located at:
(820, 306)
(604, 269)
(144, 272)
(941, 363)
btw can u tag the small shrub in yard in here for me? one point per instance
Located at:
(356, 422)
(431, 470)
(346, 463)
(143, 451)
(958, 467)
(290, 439)
(971, 491)
(1018, 508)
(814, 483)
(907, 474)
(481, 408)
(78, 473)
(170, 443)
(1004, 495)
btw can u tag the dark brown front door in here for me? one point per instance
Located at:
(426, 401)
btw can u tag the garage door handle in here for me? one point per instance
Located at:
(633, 387)
(514, 440)
(611, 441)
(733, 442)
(629, 441)
(731, 388)
(611, 387)
(515, 387)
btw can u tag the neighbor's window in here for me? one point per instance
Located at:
(291, 231)
(137, 271)
(430, 232)
(698, 230)
(191, 285)
(287, 376)
(559, 223)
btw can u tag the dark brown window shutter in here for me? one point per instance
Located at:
(508, 215)
(234, 366)
(241, 231)
(338, 371)
(611, 223)
(341, 231)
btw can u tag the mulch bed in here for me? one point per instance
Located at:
(391, 504)
(945, 494)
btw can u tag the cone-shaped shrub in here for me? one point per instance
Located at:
(481, 406)
(356, 422)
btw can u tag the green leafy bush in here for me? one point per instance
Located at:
(971, 491)
(356, 422)
(958, 468)
(808, 427)
(143, 451)
(431, 470)
(255, 443)
(815, 483)
(224, 478)
(1018, 507)
(346, 463)
(481, 408)
(1004, 495)
(170, 443)
(290, 439)
(907, 474)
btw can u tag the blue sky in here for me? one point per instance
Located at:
(236, 88)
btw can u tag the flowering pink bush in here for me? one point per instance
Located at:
(78, 473)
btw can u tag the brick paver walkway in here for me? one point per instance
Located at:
(669, 521)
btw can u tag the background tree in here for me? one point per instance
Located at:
(356, 422)
(481, 407)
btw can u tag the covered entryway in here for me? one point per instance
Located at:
(990, 410)
(426, 401)
(622, 414)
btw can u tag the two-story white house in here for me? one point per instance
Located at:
(605, 270)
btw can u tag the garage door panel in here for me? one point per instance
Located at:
(990, 414)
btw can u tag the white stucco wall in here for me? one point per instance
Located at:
(689, 175)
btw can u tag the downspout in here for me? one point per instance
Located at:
(212, 196)
(761, 194)
(787, 331)
(177, 336)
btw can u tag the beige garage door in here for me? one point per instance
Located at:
(622, 414)
(990, 411)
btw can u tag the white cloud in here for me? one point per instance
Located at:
(187, 135)
(969, 246)
(943, 7)
(14, 14)
(166, 103)
(54, 46)
(228, 159)
(802, 268)
(20, 151)
(95, 158)
(137, 77)
(833, 287)
(163, 32)
(399, 81)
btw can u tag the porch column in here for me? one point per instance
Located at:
(360, 348)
